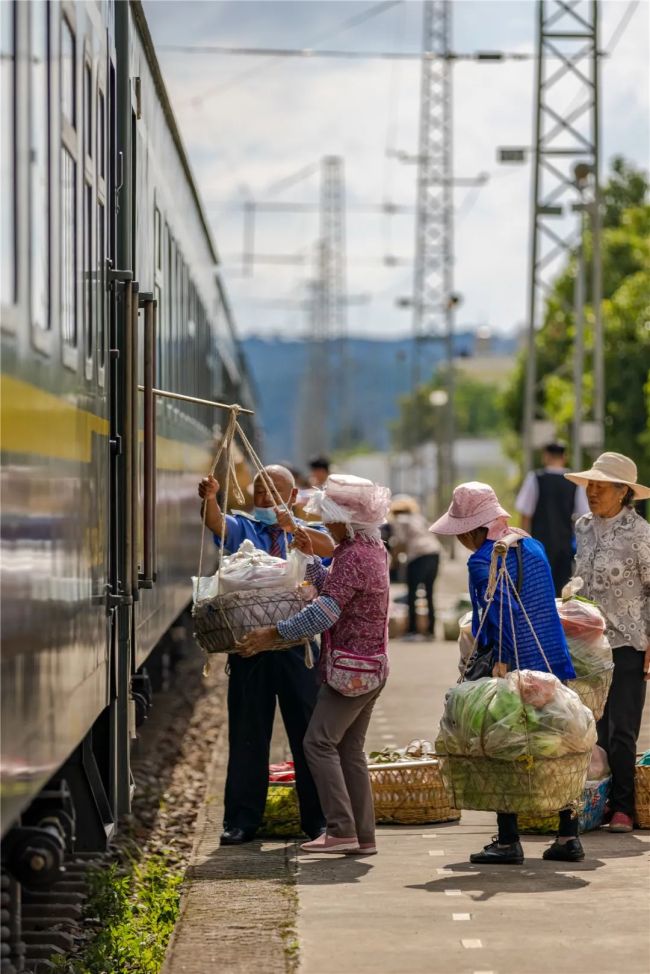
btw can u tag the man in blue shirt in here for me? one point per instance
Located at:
(256, 682)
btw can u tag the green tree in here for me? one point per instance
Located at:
(477, 407)
(626, 326)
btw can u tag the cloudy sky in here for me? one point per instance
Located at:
(252, 124)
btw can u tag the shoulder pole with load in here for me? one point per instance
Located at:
(239, 612)
(491, 759)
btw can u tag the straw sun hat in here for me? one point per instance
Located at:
(612, 468)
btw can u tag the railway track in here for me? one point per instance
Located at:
(43, 928)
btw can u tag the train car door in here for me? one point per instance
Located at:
(134, 325)
(123, 304)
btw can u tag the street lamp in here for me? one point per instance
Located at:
(439, 399)
(581, 173)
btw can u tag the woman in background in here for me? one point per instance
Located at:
(613, 561)
(410, 534)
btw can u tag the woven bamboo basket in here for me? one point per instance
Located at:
(281, 813)
(225, 619)
(590, 810)
(642, 796)
(526, 785)
(593, 690)
(410, 793)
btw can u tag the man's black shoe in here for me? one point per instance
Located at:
(570, 851)
(495, 854)
(236, 836)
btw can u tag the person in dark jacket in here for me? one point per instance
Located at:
(549, 505)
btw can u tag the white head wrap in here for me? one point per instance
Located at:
(346, 499)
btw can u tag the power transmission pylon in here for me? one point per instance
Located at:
(566, 177)
(433, 301)
(325, 400)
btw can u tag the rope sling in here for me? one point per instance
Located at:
(500, 583)
(227, 447)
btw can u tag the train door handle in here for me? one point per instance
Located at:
(132, 304)
(147, 576)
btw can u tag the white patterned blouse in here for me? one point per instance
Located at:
(613, 559)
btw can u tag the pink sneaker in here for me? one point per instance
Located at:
(621, 822)
(331, 844)
(364, 849)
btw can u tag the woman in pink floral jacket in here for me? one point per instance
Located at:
(352, 613)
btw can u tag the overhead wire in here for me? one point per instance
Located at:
(272, 56)
(622, 26)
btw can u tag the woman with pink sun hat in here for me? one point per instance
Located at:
(351, 612)
(477, 519)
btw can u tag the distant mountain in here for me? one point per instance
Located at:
(380, 372)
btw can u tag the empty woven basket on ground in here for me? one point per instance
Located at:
(593, 690)
(536, 786)
(221, 621)
(410, 793)
(642, 795)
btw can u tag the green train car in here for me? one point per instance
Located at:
(109, 283)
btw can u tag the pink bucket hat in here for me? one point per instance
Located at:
(473, 505)
(350, 500)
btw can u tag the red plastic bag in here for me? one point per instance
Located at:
(581, 619)
(283, 772)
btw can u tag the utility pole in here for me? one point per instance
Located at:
(566, 167)
(433, 298)
(333, 276)
(326, 378)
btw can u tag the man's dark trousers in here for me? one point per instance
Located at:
(422, 571)
(253, 686)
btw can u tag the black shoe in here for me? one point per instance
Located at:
(570, 851)
(495, 854)
(317, 833)
(236, 836)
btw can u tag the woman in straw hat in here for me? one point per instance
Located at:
(477, 519)
(613, 561)
(352, 613)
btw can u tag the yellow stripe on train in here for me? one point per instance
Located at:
(35, 422)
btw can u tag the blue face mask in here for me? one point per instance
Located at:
(266, 515)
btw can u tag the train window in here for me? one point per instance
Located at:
(101, 135)
(101, 288)
(39, 185)
(156, 237)
(100, 226)
(68, 244)
(171, 313)
(178, 305)
(88, 109)
(7, 153)
(161, 245)
(88, 274)
(68, 101)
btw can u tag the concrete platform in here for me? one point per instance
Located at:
(418, 907)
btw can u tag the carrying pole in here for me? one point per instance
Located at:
(202, 402)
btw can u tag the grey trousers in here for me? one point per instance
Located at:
(334, 748)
